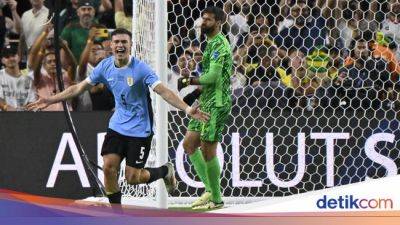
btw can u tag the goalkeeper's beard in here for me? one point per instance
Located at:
(207, 30)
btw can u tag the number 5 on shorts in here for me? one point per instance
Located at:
(141, 153)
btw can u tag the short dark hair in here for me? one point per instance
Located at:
(9, 50)
(365, 36)
(121, 31)
(218, 13)
(356, 39)
(52, 52)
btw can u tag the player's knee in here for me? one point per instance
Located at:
(110, 170)
(188, 146)
(208, 157)
(132, 178)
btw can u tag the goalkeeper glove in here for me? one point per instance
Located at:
(183, 82)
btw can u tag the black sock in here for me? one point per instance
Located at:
(157, 173)
(115, 198)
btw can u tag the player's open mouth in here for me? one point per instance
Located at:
(121, 50)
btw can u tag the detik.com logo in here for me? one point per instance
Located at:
(351, 202)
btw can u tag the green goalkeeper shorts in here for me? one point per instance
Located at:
(212, 130)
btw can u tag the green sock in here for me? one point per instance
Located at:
(200, 167)
(213, 173)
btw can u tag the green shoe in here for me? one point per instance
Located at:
(210, 205)
(203, 199)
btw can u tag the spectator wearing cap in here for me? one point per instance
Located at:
(33, 20)
(77, 33)
(103, 8)
(16, 88)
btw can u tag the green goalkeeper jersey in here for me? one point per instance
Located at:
(216, 77)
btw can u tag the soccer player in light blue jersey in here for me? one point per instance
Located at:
(131, 127)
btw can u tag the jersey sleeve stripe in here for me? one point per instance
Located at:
(89, 81)
(155, 84)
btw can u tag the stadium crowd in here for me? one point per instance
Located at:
(307, 53)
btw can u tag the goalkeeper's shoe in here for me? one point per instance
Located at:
(210, 205)
(203, 199)
(183, 82)
(170, 179)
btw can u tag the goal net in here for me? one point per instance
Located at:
(315, 93)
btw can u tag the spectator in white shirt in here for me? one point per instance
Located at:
(16, 86)
(33, 21)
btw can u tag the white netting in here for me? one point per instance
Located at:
(301, 68)
(143, 32)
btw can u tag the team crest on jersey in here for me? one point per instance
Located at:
(215, 55)
(129, 81)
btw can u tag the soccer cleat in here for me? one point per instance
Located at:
(169, 179)
(210, 205)
(203, 199)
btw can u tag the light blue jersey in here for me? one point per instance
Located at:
(133, 114)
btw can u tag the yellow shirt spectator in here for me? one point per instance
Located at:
(286, 79)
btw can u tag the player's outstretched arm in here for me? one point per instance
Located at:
(68, 93)
(175, 101)
(206, 79)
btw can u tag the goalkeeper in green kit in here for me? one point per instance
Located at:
(215, 99)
